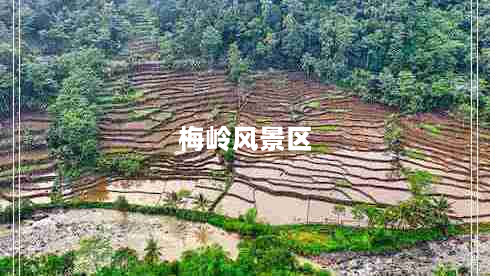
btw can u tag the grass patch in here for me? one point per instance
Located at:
(315, 104)
(280, 83)
(126, 164)
(325, 128)
(484, 136)
(117, 150)
(431, 129)
(137, 115)
(131, 96)
(163, 116)
(375, 240)
(103, 100)
(319, 148)
(414, 154)
(330, 96)
(24, 169)
(343, 183)
(263, 121)
(484, 227)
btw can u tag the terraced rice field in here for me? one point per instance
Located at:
(37, 170)
(348, 163)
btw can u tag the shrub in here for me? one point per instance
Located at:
(237, 68)
(393, 134)
(250, 216)
(26, 210)
(94, 253)
(124, 257)
(445, 270)
(55, 195)
(128, 164)
(210, 261)
(121, 203)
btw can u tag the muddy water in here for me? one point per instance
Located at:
(153, 192)
(62, 231)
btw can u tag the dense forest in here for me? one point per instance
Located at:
(409, 54)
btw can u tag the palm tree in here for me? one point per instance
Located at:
(201, 203)
(308, 210)
(152, 250)
(202, 234)
(440, 209)
(123, 257)
(339, 210)
(175, 199)
(357, 213)
(372, 213)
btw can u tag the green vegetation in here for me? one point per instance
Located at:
(414, 154)
(315, 104)
(319, 148)
(24, 169)
(262, 256)
(93, 254)
(404, 54)
(163, 116)
(280, 83)
(264, 242)
(343, 183)
(381, 237)
(152, 252)
(263, 121)
(339, 211)
(324, 128)
(238, 68)
(56, 193)
(446, 270)
(124, 164)
(137, 115)
(229, 155)
(201, 203)
(128, 96)
(410, 55)
(431, 129)
(296, 112)
(393, 134)
(175, 199)
(121, 204)
(72, 137)
(52, 30)
(25, 211)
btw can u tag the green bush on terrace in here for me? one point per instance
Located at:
(128, 164)
(129, 96)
